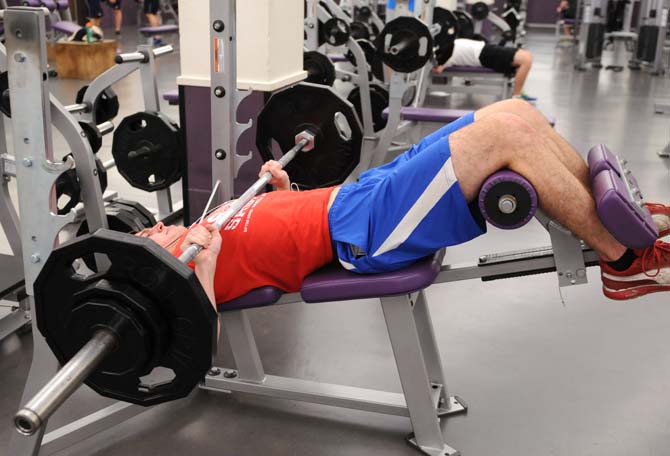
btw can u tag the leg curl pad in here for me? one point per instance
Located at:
(507, 200)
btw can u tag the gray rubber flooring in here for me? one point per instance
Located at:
(544, 372)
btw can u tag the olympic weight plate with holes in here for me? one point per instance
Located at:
(405, 44)
(479, 11)
(338, 139)
(68, 188)
(466, 25)
(379, 100)
(168, 321)
(334, 31)
(147, 152)
(105, 107)
(448, 26)
(319, 68)
(359, 30)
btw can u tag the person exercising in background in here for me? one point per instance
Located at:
(567, 10)
(115, 5)
(151, 8)
(96, 14)
(502, 59)
(424, 200)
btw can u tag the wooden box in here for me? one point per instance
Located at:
(79, 60)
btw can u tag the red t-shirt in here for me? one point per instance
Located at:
(277, 239)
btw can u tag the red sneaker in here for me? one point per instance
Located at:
(649, 273)
(661, 215)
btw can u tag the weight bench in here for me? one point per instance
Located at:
(150, 32)
(440, 115)
(172, 97)
(477, 80)
(425, 397)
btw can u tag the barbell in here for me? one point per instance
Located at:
(142, 309)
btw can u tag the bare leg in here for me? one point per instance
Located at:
(503, 140)
(561, 148)
(523, 61)
(96, 21)
(154, 21)
(118, 20)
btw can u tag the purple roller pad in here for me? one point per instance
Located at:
(150, 31)
(601, 158)
(259, 297)
(428, 114)
(623, 218)
(336, 58)
(333, 283)
(171, 96)
(508, 176)
(66, 27)
(48, 4)
(62, 5)
(469, 69)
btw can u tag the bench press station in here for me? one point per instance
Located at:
(401, 293)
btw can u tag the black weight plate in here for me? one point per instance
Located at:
(359, 30)
(466, 25)
(479, 11)
(379, 100)
(334, 31)
(147, 219)
(320, 70)
(105, 107)
(5, 106)
(370, 52)
(405, 44)
(448, 27)
(289, 111)
(68, 191)
(362, 13)
(140, 272)
(155, 134)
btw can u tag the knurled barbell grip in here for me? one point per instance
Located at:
(68, 379)
(190, 253)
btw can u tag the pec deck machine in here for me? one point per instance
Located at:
(257, 46)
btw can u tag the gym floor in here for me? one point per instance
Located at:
(543, 374)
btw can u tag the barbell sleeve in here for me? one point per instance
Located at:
(190, 253)
(105, 127)
(68, 379)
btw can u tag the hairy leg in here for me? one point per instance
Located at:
(504, 140)
(118, 20)
(523, 61)
(558, 145)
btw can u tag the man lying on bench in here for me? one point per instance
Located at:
(407, 209)
(501, 59)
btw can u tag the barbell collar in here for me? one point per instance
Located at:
(303, 141)
(68, 379)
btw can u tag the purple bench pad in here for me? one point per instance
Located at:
(149, 31)
(49, 4)
(623, 218)
(469, 69)
(171, 96)
(31, 3)
(333, 283)
(336, 58)
(62, 5)
(601, 158)
(66, 27)
(442, 115)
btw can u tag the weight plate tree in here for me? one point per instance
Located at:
(338, 131)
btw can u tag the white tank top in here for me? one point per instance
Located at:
(466, 53)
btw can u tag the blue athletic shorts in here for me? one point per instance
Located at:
(405, 210)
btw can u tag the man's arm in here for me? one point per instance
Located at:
(205, 262)
(279, 179)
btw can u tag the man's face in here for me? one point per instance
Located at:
(162, 234)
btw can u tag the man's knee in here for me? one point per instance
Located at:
(523, 57)
(512, 130)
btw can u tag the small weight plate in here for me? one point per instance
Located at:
(405, 44)
(320, 70)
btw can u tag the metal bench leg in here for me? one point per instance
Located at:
(420, 395)
(236, 326)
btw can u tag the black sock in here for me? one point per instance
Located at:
(624, 262)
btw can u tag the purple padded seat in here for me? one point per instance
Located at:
(601, 158)
(66, 27)
(441, 115)
(171, 96)
(49, 4)
(469, 69)
(259, 297)
(62, 5)
(333, 283)
(161, 29)
(623, 218)
(335, 58)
